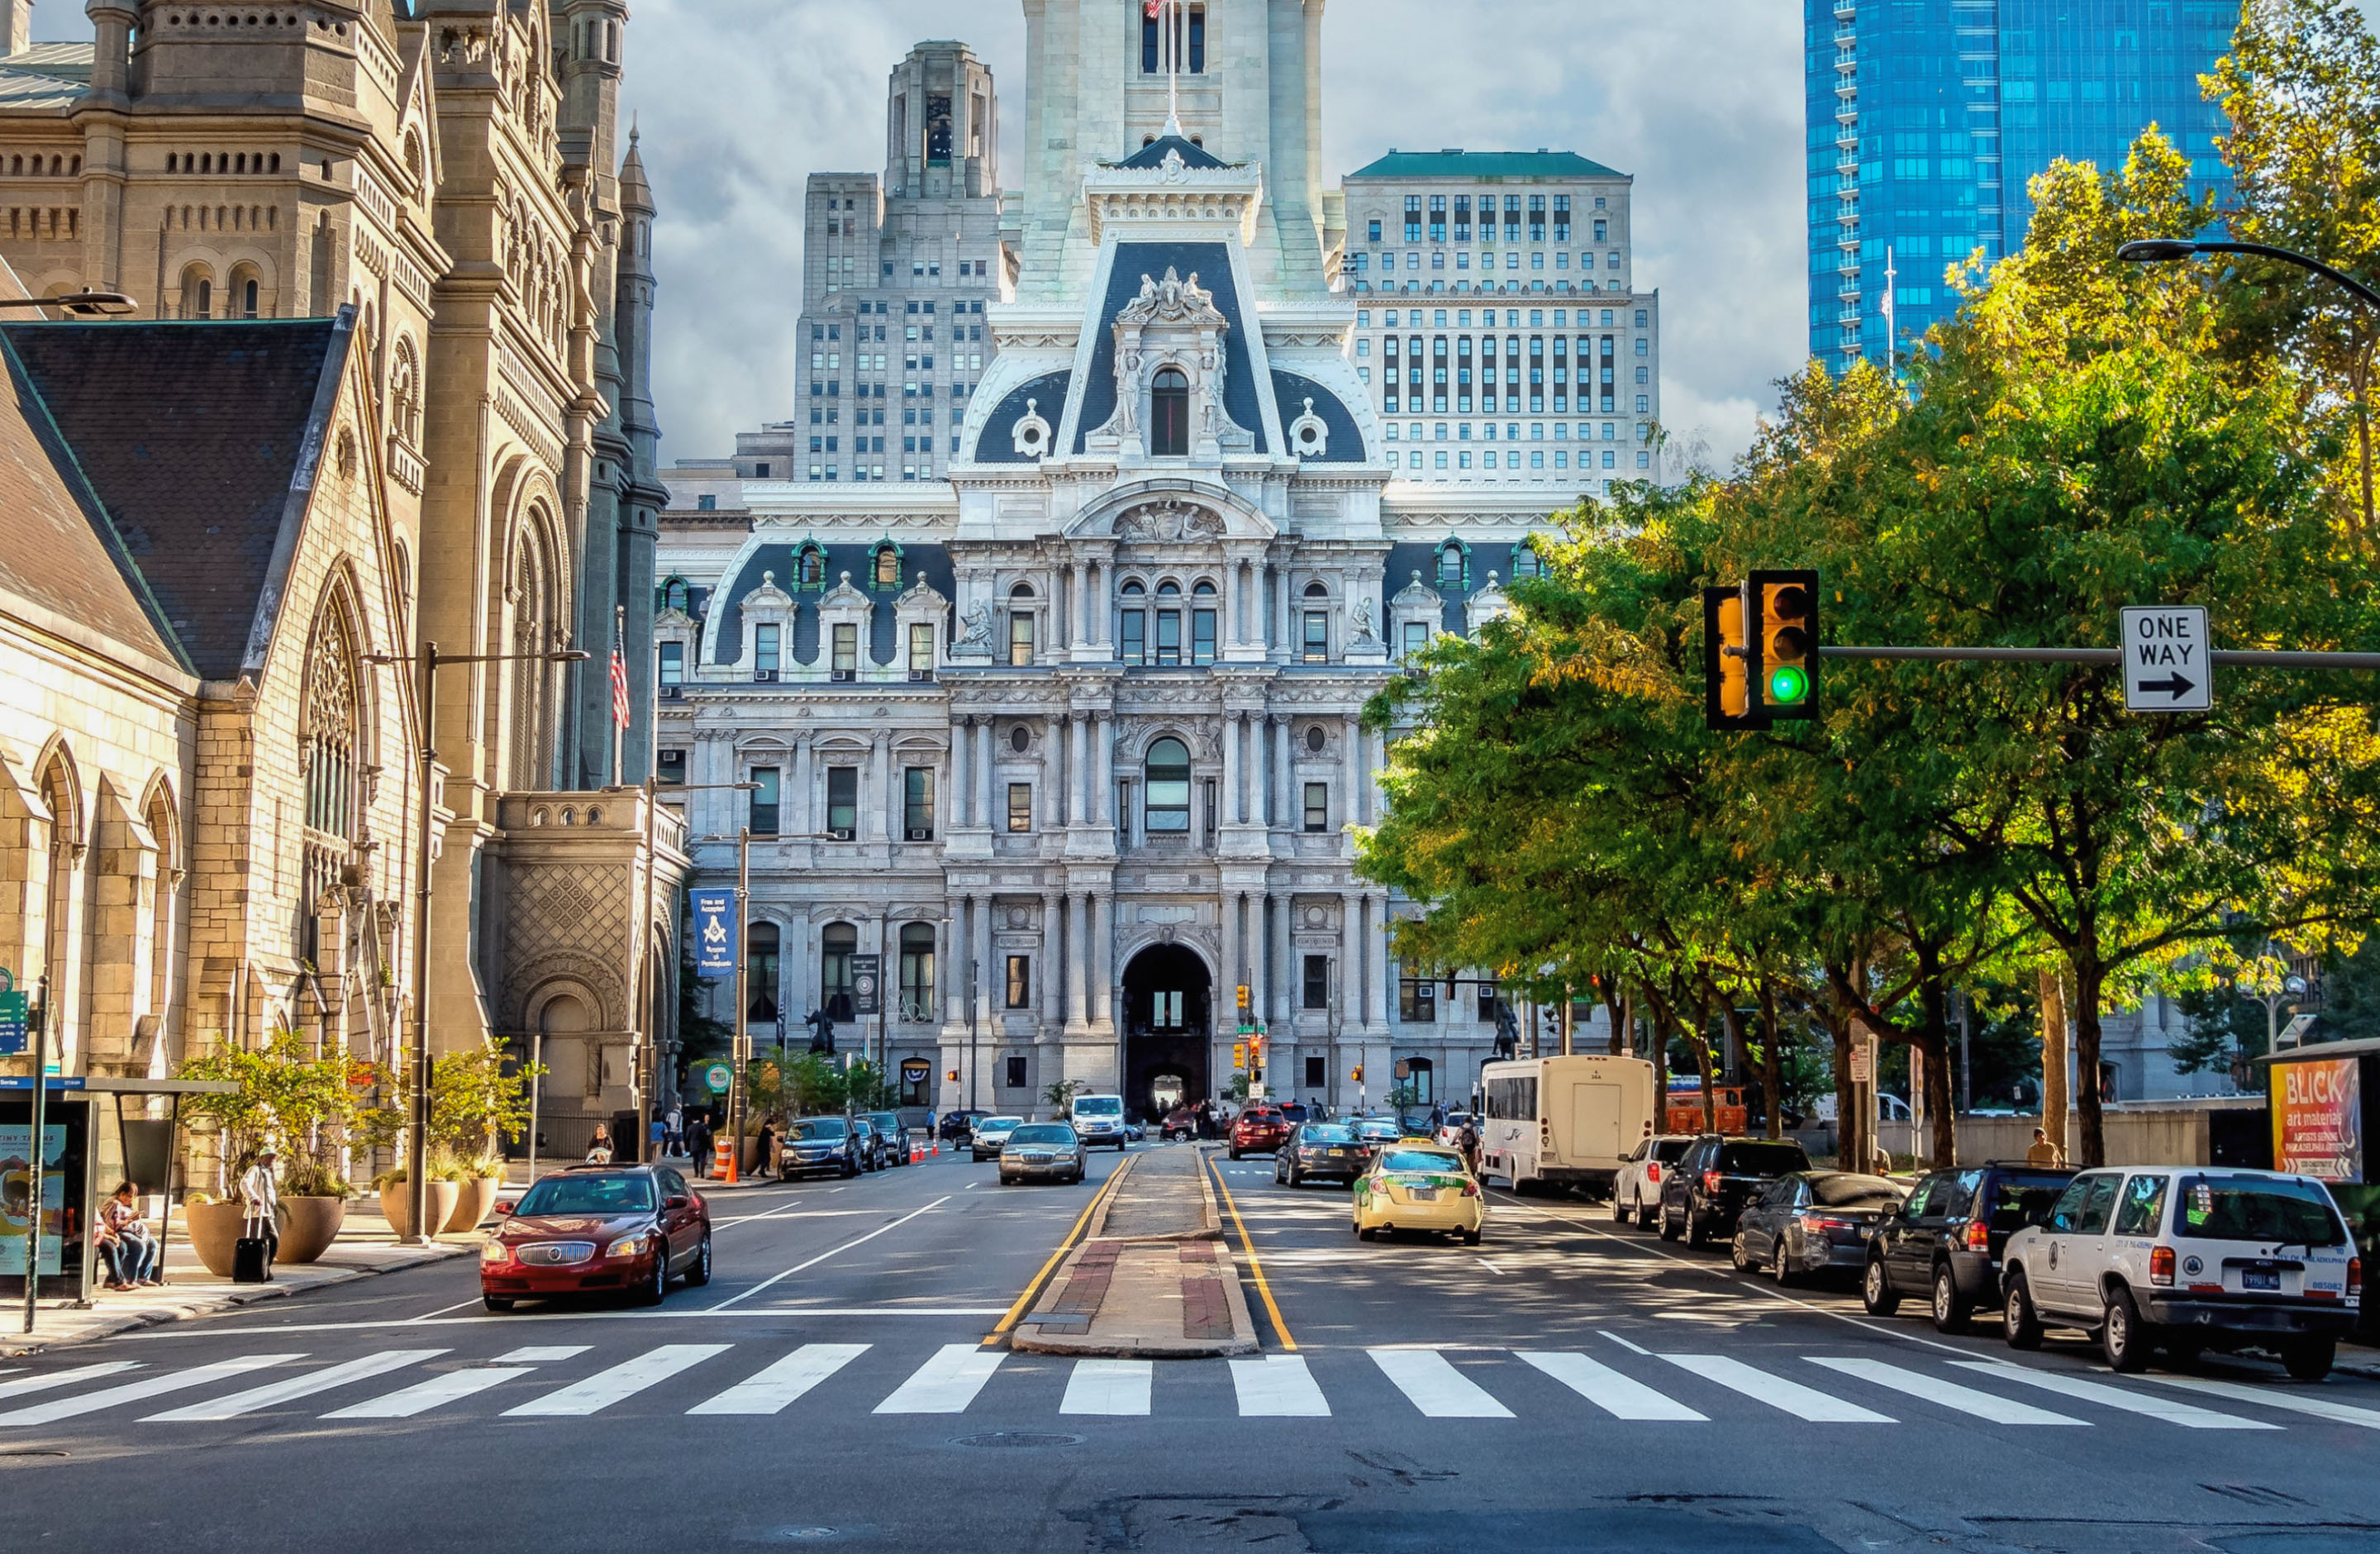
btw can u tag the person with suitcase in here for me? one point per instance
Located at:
(260, 1235)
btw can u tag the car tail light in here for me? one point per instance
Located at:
(2354, 1277)
(1979, 1237)
(2161, 1265)
(1652, 1171)
(1711, 1183)
(1815, 1221)
(1471, 1189)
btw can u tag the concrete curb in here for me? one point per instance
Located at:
(1108, 1200)
(219, 1300)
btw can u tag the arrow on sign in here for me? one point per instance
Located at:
(2173, 685)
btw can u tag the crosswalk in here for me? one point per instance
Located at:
(1623, 1384)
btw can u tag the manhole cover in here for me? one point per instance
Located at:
(1016, 1437)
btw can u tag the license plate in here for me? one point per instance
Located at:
(1422, 1194)
(2260, 1279)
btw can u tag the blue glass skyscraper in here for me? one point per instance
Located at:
(1927, 118)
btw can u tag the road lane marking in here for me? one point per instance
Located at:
(1440, 1391)
(769, 1390)
(63, 1378)
(1277, 1387)
(946, 1383)
(2269, 1397)
(1947, 1395)
(437, 1391)
(1491, 1267)
(134, 1391)
(1109, 1387)
(1622, 1397)
(2185, 1415)
(1024, 1301)
(626, 1379)
(297, 1386)
(541, 1354)
(1792, 1397)
(1255, 1266)
(1632, 1348)
(822, 1256)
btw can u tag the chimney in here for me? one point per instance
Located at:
(17, 24)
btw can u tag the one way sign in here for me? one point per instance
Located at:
(2167, 667)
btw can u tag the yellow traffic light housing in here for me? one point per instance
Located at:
(1359, 1073)
(1730, 660)
(1788, 660)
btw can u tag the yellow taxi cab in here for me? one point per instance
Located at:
(1416, 1185)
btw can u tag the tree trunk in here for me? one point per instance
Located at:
(1933, 1040)
(1700, 1044)
(2363, 428)
(1772, 1065)
(1615, 1008)
(2088, 980)
(2053, 1056)
(1840, 1030)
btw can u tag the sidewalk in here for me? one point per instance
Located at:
(1153, 1279)
(366, 1246)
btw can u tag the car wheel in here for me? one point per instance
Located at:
(1739, 1255)
(1277, 1177)
(1471, 1238)
(1876, 1292)
(1951, 1308)
(1619, 1211)
(2123, 1337)
(1236, 1153)
(1367, 1233)
(1668, 1226)
(699, 1273)
(655, 1290)
(1697, 1230)
(1778, 1269)
(2309, 1359)
(2021, 1324)
(496, 1303)
(850, 1168)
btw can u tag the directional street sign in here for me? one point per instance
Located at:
(2167, 662)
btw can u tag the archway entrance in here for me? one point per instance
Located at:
(1167, 1014)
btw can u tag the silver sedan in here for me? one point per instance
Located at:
(1042, 1153)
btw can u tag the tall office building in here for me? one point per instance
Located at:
(1925, 123)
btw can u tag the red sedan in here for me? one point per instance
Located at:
(1259, 1130)
(625, 1229)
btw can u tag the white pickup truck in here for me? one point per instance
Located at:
(2186, 1259)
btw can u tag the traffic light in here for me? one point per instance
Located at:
(1789, 644)
(1239, 1057)
(951, 1074)
(1730, 661)
(1359, 1073)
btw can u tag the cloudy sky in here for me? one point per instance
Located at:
(740, 101)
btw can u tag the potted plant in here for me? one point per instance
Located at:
(476, 1098)
(396, 1200)
(303, 1102)
(212, 1226)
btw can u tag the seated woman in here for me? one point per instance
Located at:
(123, 1240)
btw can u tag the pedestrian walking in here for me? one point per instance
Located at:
(259, 1199)
(598, 1148)
(677, 1136)
(2044, 1153)
(124, 1243)
(656, 1139)
(1436, 1117)
(768, 1148)
(698, 1141)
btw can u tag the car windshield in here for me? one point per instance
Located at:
(1420, 1160)
(819, 1130)
(1326, 1133)
(1100, 1106)
(573, 1193)
(990, 1125)
(1761, 1160)
(2276, 1211)
(1043, 1133)
(1852, 1192)
(885, 1120)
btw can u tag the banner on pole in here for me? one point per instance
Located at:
(867, 984)
(714, 934)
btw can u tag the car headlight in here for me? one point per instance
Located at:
(495, 1252)
(626, 1247)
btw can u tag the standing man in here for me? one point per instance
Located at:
(2043, 1152)
(697, 1141)
(676, 1139)
(261, 1203)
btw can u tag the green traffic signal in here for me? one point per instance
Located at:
(1788, 683)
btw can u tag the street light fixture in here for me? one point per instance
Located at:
(2164, 251)
(429, 661)
(82, 304)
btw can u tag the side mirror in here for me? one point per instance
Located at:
(503, 1207)
(676, 1200)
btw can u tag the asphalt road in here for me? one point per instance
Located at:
(1567, 1385)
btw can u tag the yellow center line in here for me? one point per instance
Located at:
(1025, 1301)
(1272, 1308)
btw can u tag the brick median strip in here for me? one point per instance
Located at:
(1156, 1293)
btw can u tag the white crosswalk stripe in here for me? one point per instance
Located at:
(297, 1386)
(1110, 1386)
(774, 1389)
(1803, 1403)
(624, 1380)
(2269, 1397)
(137, 1391)
(57, 1378)
(1436, 1388)
(2188, 1415)
(541, 1353)
(1277, 1387)
(1949, 1394)
(1622, 1397)
(946, 1383)
(435, 1393)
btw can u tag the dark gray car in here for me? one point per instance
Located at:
(1944, 1244)
(1320, 1152)
(1716, 1178)
(1812, 1222)
(1042, 1153)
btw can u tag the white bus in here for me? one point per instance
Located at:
(1563, 1122)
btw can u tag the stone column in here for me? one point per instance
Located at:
(1352, 786)
(1292, 973)
(1376, 962)
(1053, 767)
(962, 785)
(983, 774)
(879, 772)
(949, 966)
(1276, 770)
(1230, 790)
(1078, 938)
(1077, 585)
(1259, 946)
(988, 976)
(1351, 953)
(805, 816)
(1054, 1012)
(1103, 738)
(1284, 627)
(1078, 750)
(1231, 602)
(1227, 996)
(1102, 959)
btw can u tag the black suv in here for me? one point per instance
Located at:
(1945, 1240)
(1708, 1188)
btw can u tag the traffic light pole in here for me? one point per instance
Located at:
(2236, 657)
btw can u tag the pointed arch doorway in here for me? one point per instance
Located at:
(1168, 1000)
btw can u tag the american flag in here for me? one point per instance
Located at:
(619, 688)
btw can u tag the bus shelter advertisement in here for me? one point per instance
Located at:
(2318, 1119)
(16, 1197)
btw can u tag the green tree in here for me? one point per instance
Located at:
(303, 1102)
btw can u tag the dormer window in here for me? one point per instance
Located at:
(674, 596)
(1169, 414)
(1525, 560)
(887, 571)
(809, 572)
(1450, 567)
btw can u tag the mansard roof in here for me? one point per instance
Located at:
(1456, 162)
(1153, 154)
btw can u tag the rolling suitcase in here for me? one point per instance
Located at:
(252, 1256)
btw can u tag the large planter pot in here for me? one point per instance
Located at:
(472, 1201)
(308, 1225)
(214, 1227)
(396, 1202)
(749, 1156)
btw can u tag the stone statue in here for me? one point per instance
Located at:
(976, 629)
(1362, 620)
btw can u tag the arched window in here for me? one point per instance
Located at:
(329, 729)
(837, 945)
(1168, 808)
(1451, 568)
(809, 572)
(1169, 414)
(918, 972)
(674, 597)
(1526, 562)
(1020, 626)
(60, 942)
(760, 952)
(1316, 590)
(198, 292)
(405, 392)
(888, 565)
(534, 604)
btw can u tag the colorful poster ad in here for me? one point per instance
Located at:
(2318, 1119)
(17, 1193)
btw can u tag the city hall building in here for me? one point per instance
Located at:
(1044, 649)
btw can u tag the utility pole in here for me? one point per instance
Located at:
(739, 1093)
(39, 1099)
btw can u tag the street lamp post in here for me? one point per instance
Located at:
(416, 1127)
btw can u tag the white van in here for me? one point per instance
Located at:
(2186, 1259)
(1563, 1122)
(1099, 1120)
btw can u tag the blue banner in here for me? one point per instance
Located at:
(714, 934)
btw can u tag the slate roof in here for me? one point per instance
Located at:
(195, 438)
(1455, 163)
(1153, 154)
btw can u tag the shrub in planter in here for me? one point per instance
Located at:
(397, 1200)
